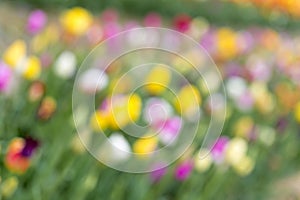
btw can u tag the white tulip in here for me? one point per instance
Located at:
(119, 148)
(65, 65)
(93, 80)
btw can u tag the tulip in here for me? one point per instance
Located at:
(203, 160)
(36, 21)
(219, 148)
(157, 174)
(99, 121)
(36, 91)
(169, 130)
(76, 21)
(32, 69)
(183, 170)
(144, 146)
(19, 152)
(123, 110)
(297, 112)
(152, 20)
(188, 101)
(243, 127)
(65, 65)
(245, 166)
(47, 108)
(5, 77)
(120, 148)
(236, 150)
(93, 80)
(157, 80)
(9, 186)
(182, 23)
(227, 46)
(157, 110)
(15, 53)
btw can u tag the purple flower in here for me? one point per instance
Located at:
(30, 147)
(158, 173)
(208, 41)
(246, 41)
(218, 149)
(36, 21)
(183, 170)
(152, 20)
(259, 70)
(245, 101)
(169, 130)
(282, 124)
(233, 69)
(5, 76)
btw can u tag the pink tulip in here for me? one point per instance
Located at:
(36, 21)
(183, 170)
(169, 130)
(152, 20)
(218, 149)
(158, 173)
(5, 76)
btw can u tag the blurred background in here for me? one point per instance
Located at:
(255, 46)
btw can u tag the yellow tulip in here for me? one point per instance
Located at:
(236, 150)
(158, 80)
(42, 41)
(145, 146)
(243, 127)
(76, 21)
(33, 68)
(245, 166)
(227, 43)
(264, 101)
(203, 160)
(9, 186)
(188, 100)
(134, 107)
(297, 112)
(15, 53)
(124, 110)
(99, 121)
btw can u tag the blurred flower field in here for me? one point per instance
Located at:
(42, 157)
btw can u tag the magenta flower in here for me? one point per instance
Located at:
(182, 23)
(158, 173)
(152, 20)
(245, 101)
(218, 149)
(208, 41)
(5, 76)
(110, 29)
(183, 170)
(259, 70)
(169, 130)
(36, 21)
